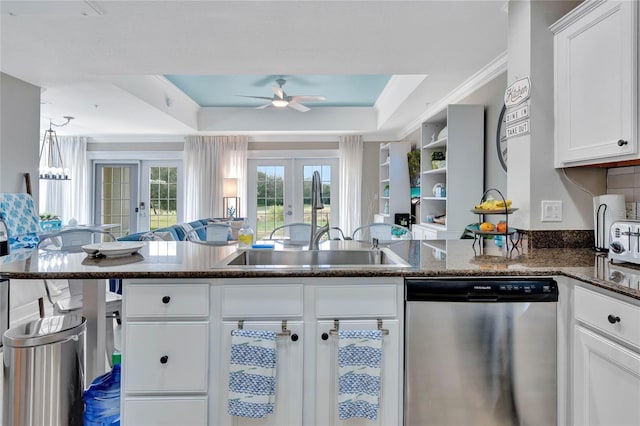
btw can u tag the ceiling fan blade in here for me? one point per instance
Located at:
(255, 97)
(298, 107)
(264, 106)
(307, 98)
(278, 91)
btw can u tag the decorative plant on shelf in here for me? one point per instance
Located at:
(413, 158)
(437, 159)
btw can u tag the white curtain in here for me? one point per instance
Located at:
(208, 160)
(69, 199)
(350, 151)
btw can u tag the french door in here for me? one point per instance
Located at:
(279, 192)
(116, 196)
(137, 196)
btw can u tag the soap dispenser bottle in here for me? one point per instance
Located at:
(245, 235)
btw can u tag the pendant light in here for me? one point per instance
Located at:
(53, 167)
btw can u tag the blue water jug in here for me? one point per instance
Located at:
(102, 399)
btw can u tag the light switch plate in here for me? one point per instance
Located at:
(551, 211)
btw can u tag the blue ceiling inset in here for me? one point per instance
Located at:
(223, 90)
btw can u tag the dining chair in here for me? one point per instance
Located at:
(70, 241)
(384, 232)
(293, 233)
(218, 233)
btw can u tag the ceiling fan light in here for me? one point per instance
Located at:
(280, 103)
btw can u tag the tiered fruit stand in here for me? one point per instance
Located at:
(511, 237)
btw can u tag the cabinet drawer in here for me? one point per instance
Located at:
(165, 411)
(597, 310)
(166, 357)
(167, 300)
(257, 301)
(350, 301)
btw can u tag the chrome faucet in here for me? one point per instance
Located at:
(316, 204)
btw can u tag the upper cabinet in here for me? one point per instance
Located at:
(394, 193)
(452, 170)
(596, 83)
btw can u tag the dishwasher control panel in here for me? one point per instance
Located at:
(482, 289)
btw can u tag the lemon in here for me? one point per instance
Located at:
(486, 226)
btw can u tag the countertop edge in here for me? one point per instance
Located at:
(349, 273)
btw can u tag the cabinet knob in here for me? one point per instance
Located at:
(164, 359)
(294, 337)
(166, 299)
(622, 142)
(325, 336)
(613, 319)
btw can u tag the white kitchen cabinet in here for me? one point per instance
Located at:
(606, 368)
(191, 384)
(355, 306)
(165, 361)
(606, 382)
(326, 389)
(289, 374)
(394, 193)
(458, 132)
(596, 83)
(421, 232)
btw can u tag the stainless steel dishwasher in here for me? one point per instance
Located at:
(480, 351)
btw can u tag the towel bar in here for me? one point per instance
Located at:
(284, 331)
(336, 328)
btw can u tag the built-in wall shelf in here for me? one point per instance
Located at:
(435, 171)
(394, 192)
(457, 134)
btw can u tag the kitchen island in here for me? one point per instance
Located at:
(303, 301)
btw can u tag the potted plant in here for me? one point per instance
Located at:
(50, 222)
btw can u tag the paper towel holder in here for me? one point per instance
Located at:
(600, 231)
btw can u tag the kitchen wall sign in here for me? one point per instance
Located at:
(518, 92)
(517, 129)
(517, 113)
(516, 100)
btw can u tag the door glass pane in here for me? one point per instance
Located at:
(324, 215)
(115, 199)
(162, 197)
(269, 199)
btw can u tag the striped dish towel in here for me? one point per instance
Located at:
(359, 361)
(252, 373)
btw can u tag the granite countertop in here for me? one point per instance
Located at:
(172, 259)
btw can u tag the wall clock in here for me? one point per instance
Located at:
(501, 139)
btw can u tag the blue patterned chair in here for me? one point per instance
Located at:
(23, 223)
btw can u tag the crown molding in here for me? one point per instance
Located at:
(581, 10)
(487, 73)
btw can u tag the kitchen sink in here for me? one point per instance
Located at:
(383, 257)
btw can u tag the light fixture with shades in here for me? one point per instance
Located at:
(51, 166)
(230, 199)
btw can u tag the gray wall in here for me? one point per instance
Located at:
(19, 134)
(370, 179)
(492, 96)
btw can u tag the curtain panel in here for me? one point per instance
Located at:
(69, 199)
(208, 160)
(350, 150)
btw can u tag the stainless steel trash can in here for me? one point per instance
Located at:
(44, 372)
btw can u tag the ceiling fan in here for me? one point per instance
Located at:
(281, 100)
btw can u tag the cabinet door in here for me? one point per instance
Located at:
(596, 85)
(289, 372)
(606, 381)
(326, 386)
(166, 411)
(166, 357)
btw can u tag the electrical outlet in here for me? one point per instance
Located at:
(551, 211)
